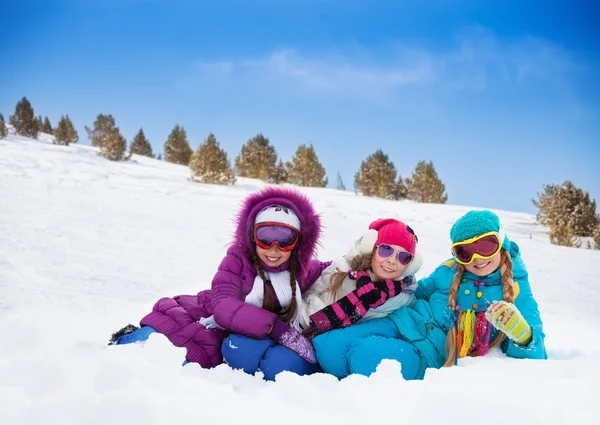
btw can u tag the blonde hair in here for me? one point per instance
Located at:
(268, 301)
(508, 293)
(359, 263)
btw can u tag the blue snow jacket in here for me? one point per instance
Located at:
(427, 322)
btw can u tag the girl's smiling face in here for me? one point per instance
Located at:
(388, 268)
(481, 267)
(273, 257)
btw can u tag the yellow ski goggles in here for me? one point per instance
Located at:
(483, 246)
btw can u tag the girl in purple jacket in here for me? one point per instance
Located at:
(250, 316)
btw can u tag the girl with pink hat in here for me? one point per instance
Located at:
(375, 278)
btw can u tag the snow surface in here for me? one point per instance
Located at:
(88, 245)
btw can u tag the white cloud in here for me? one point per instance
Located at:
(344, 74)
(478, 60)
(220, 68)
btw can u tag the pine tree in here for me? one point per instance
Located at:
(597, 236)
(280, 173)
(305, 169)
(177, 149)
(340, 183)
(65, 133)
(425, 185)
(257, 159)
(23, 120)
(140, 145)
(61, 136)
(159, 157)
(561, 234)
(399, 190)
(108, 137)
(103, 128)
(568, 211)
(39, 123)
(3, 129)
(377, 176)
(47, 127)
(72, 134)
(210, 163)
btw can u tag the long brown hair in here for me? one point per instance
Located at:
(268, 301)
(508, 293)
(359, 263)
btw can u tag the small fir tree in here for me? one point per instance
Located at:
(71, 132)
(47, 127)
(210, 163)
(3, 129)
(561, 234)
(102, 131)
(425, 185)
(377, 176)
(340, 183)
(567, 210)
(280, 174)
(140, 145)
(23, 120)
(257, 159)
(597, 236)
(108, 137)
(60, 136)
(399, 190)
(39, 122)
(65, 133)
(305, 169)
(177, 149)
(159, 157)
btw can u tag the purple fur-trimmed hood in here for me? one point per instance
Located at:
(310, 222)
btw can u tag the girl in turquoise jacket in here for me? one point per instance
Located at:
(479, 299)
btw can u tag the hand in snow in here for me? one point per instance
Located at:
(294, 340)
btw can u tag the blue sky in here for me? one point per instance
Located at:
(503, 98)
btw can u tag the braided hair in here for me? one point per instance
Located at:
(508, 293)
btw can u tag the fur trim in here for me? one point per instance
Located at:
(299, 203)
(367, 242)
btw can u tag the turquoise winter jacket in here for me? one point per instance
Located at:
(427, 322)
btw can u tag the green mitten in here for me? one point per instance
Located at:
(508, 319)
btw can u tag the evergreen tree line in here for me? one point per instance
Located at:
(567, 210)
(27, 124)
(258, 159)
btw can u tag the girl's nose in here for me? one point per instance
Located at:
(393, 259)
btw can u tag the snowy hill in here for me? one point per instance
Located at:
(88, 245)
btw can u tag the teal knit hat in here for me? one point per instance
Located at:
(475, 223)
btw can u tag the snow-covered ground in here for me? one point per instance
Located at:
(87, 245)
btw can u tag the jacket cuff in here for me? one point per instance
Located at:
(534, 350)
(279, 328)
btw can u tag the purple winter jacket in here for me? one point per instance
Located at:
(177, 318)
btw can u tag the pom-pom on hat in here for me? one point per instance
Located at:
(278, 214)
(475, 223)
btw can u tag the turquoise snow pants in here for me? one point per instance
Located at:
(361, 347)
